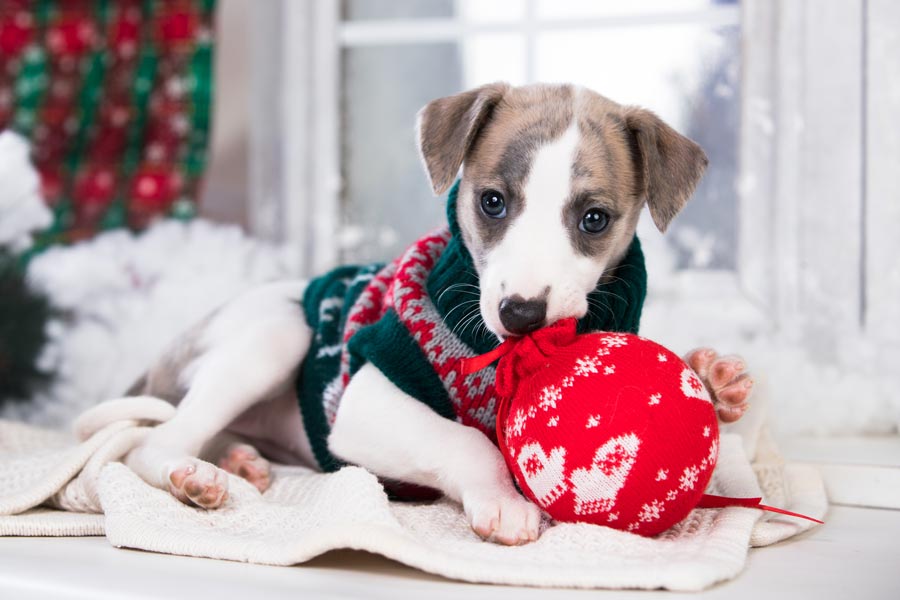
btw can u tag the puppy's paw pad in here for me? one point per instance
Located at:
(724, 371)
(244, 461)
(700, 360)
(509, 520)
(199, 483)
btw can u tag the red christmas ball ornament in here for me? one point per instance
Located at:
(152, 192)
(605, 428)
(16, 30)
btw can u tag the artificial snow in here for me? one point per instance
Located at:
(125, 297)
(22, 211)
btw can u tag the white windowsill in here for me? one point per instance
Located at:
(858, 471)
(855, 550)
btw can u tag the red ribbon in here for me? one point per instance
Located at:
(713, 501)
(467, 366)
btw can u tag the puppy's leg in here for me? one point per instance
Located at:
(396, 436)
(238, 457)
(726, 379)
(249, 359)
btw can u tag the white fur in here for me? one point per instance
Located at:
(395, 436)
(252, 348)
(536, 252)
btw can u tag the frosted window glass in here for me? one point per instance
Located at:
(690, 76)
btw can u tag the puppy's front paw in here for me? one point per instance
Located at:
(503, 518)
(726, 380)
(194, 481)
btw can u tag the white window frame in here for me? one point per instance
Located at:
(802, 286)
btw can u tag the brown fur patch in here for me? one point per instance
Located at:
(603, 176)
(500, 159)
(448, 126)
(671, 165)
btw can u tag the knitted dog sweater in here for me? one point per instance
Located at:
(405, 319)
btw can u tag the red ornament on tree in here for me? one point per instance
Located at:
(152, 192)
(605, 428)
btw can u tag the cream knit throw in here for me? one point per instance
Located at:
(305, 514)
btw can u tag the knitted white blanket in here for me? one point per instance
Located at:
(305, 514)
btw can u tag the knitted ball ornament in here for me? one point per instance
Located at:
(605, 428)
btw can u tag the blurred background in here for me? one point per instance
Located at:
(189, 149)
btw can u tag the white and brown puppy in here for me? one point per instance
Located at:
(553, 182)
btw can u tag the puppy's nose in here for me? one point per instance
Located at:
(520, 316)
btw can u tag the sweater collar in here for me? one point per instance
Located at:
(453, 283)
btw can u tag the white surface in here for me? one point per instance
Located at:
(857, 471)
(854, 553)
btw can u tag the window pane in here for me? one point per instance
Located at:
(494, 57)
(480, 11)
(689, 75)
(387, 200)
(560, 9)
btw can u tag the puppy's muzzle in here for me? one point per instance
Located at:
(520, 316)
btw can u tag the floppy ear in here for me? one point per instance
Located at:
(446, 128)
(669, 164)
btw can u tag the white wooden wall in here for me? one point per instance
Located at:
(820, 154)
(882, 173)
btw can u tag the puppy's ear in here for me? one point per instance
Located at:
(669, 165)
(446, 128)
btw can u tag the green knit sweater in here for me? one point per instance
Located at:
(359, 314)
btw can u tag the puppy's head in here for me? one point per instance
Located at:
(553, 182)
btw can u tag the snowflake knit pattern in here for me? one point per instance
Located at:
(401, 318)
(606, 428)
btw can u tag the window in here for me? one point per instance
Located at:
(681, 59)
(787, 251)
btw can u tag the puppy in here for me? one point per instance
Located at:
(553, 181)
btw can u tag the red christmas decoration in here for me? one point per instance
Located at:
(16, 29)
(605, 428)
(153, 190)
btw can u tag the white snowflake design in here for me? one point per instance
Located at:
(553, 421)
(692, 387)
(713, 452)
(593, 421)
(614, 341)
(671, 495)
(662, 357)
(585, 366)
(651, 512)
(688, 479)
(662, 474)
(549, 396)
(601, 352)
(612, 517)
(706, 431)
(568, 381)
(519, 420)
(654, 399)
(609, 369)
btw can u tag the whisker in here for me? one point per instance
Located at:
(458, 306)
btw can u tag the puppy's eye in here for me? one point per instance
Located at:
(493, 204)
(594, 221)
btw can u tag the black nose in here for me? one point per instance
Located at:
(520, 316)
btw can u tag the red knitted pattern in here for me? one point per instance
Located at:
(606, 428)
(473, 396)
(402, 286)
